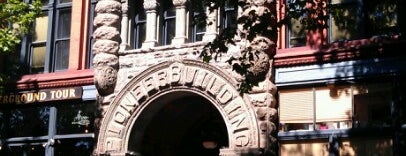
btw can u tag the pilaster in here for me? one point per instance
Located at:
(151, 40)
(180, 34)
(211, 27)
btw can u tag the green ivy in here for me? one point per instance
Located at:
(17, 18)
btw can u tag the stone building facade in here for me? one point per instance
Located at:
(137, 86)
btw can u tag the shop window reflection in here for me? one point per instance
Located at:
(29, 122)
(25, 150)
(75, 118)
(77, 147)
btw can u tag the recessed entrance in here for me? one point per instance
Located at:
(179, 123)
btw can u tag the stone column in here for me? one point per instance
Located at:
(180, 35)
(106, 46)
(151, 40)
(263, 46)
(124, 26)
(211, 28)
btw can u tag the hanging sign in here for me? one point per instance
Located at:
(41, 95)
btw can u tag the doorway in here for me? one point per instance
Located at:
(179, 124)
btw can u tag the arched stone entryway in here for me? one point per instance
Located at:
(184, 78)
(179, 123)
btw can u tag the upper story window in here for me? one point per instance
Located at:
(89, 55)
(348, 20)
(196, 28)
(138, 23)
(47, 49)
(363, 105)
(167, 22)
(228, 14)
(354, 19)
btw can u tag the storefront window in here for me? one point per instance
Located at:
(31, 121)
(26, 150)
(337, 107)
(373, 106)
(76, 147)
(75, 118)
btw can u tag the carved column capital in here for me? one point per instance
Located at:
(150, 4)
(179, 2)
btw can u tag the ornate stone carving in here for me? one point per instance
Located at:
(105, 79)
(107, 38)
(108, 6)
(201, 79)
(179, 2)
(150, 4)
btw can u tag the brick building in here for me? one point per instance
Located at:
(339, 87)
(47, 106)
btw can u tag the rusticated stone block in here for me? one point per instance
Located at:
(106, 19)
(108, 6)
(105, 78)
(107, 33)
(104, 59)
(106, 46)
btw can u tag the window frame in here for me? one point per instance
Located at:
(51, 134)
(163, 21)
(138, 36)
(194, 26)
(52, 11)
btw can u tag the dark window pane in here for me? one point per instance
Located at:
(297, 34)
(345, 21)
(29, 122)
(170, 26)
(381, 17)
(167, 32)
(197, 28)
(230, 14)
(75, 118)
(89, 63)
(64, 23)
(139, 25)
(373, 106)
(75, 147)
(62, 55)
(140, 33)
(25, 150)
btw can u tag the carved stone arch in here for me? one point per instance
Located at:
(179, 76)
